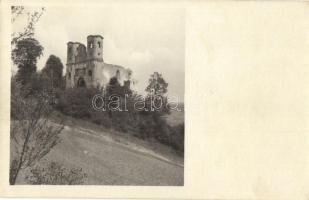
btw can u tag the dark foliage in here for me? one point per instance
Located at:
(177, 137)
(77, 102)
(25, 56)
(157, 84)
(55, 174)
(52, 72)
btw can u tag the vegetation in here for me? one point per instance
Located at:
(28, 30)
(120, 113)
(55, 174)
(35, 97)
(25, 56)
(52, 72)
(157, 85)
(33, 133)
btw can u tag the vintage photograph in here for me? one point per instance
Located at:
(97, 96)
(154, 99)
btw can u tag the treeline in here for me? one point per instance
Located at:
(142, 123)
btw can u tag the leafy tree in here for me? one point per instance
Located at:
(32, 133)
(157, 85)
(52, 71)
(25, 56)
(156, 97)
(114, 87)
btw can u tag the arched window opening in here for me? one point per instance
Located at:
(81, 82)
(90, 73)
(99, 44)
(118, 74)
(113, 81)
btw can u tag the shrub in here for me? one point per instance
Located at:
(177, 137)
(76, 102)
(101, 118)
(55, 174)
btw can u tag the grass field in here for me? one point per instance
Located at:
(114, 158)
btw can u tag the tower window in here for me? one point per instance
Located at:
(117, 74)
(69, 75)
(90, 73)
(91, 45)
(99, 43)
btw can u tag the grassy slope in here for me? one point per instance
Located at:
(115, 158)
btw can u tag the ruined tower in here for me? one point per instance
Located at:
(95, 47)
(86, 67)
(76, 52)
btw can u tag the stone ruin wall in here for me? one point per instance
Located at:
(87, 63)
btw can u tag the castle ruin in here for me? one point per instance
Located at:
(86, 68)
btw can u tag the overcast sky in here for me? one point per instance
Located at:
(142, 39)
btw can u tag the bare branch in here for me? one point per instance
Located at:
(32, 19)
(33, 129)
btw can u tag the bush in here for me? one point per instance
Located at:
(55, 174)
(101, 118)
(177, 137)
(77, 102)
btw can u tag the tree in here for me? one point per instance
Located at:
(53, 71)
(32, 132)
(157, 90)
(157, 85)
(25, 55)
(156, 101)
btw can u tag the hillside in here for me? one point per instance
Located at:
(114, 158)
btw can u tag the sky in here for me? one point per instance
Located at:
(144, 39)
